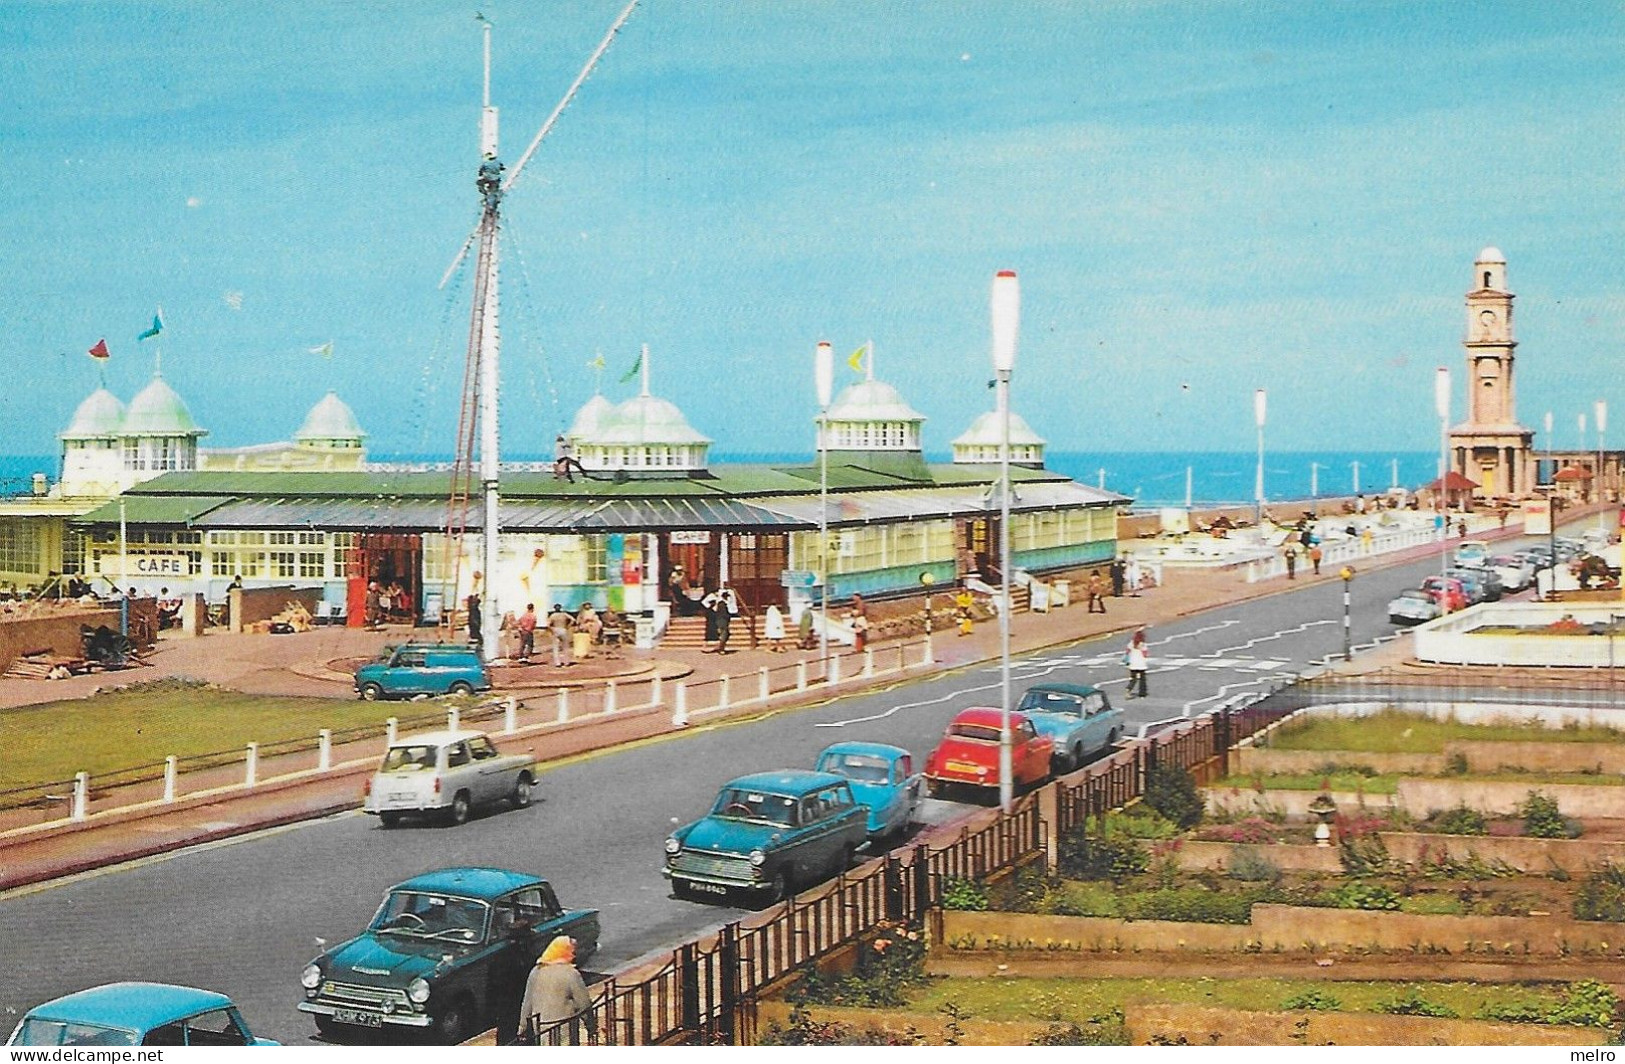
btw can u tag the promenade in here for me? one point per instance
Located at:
(553, 713)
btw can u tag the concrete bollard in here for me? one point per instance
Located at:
(723, 683)
(510, 715)
(868, 661)
(564, 704)
(801, 676)
(928, 656)
(610, 701)
(391, 727)
(679, 713)
(324, 750)
(81, 796)
(453, 715)
(656, 695)
(171, 767)
(251, 771)
(834, 676)
(764, 689)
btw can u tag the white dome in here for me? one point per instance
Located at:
(590, 418)
(158, 411)
(330, 419)
(871, 401)
(646, 419)
(99, 416)
(987, 430)
(1492, 254)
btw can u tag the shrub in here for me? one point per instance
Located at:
(1543, 820)
(965, 895)
(1358, 895)
(1462, 820)
(1171, 791)
(1081, 857)
(1139, 822)
(1250, 866)
(1602, 895)
(1362, 856)
(1107, 1029)
(1343, 768)
(1412, 1003)
(1586, 1003)
(888, 965)
(1314, 999)
(803, 1030)
(1253, 831)
(1456, 764)
(1190, 904)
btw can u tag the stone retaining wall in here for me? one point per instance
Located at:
(1245, 801)
(1499, 798)
(1196, 856)
(1203, 1025)
(56, 631)
(1528, 855)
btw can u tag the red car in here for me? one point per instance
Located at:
(1447, 591)
(969, 752)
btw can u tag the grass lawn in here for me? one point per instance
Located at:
(1405, 733)
(125, 729)
(1080, 999)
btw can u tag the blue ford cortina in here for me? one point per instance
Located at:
(136, 1014)
(883, 781)
(768, 835)
(1077, 719)
(446, 951)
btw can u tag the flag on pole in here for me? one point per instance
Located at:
(325, 350)
(598, 362)
(632, 374)
(100, 352)
(157, 327)
(856, 361)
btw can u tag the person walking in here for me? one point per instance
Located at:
(1291, 561)
(713, 623)
(555, 991)
(474, 621)
(1137, 659)
(860, 630)
(1096, 590)
(372, 607)
(727, 606)
(1117, 577)
(527, 632)
(558, 626)
(962, 613)
(1131, 573)
(804, 629)
(1314, 557)
(677, 583)
(773, 628)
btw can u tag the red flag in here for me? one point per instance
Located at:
(100, 351)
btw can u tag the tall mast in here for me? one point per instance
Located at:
(486, 311)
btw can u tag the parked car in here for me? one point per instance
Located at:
(1490, 588)
(136, 1014)
(423, 669)
(1414, 606)
(447, 774)
(767, 835)
(968, 754)
(1516, 573)
(1471, 553)
(1449, 592)
(883, 781)
(444, 952)
(1077, 719)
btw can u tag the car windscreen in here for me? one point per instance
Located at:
(35, 1032)
(981, 732)
(409, 759)
(741, 804)
(1051, 702)
(865, 768)
(425, 915)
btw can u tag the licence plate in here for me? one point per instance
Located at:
(402, 796)
(708, 888)
(963, 766)
(360, 1019)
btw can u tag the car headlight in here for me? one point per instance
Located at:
(673, 846)
(311, 977)
(757, 857)
(417, 991)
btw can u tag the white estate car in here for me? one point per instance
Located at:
(446, 773)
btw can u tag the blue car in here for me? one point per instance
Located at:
(1078, 720)
(136, 1014)
(767, 835)
(883, 781)
(423, 669)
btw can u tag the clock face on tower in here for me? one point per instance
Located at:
(1486, 321)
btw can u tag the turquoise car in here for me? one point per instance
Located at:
(136, 1014)
(423, 669)
(883, 781)
(767, 835)
(1078, 719)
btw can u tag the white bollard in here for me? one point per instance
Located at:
(251, 772)
(801, 676)
(324, 750)
(81, 795)
(679, 713)
(171, 766)
(656, 695)
(391, 727)
(764, 689)
(834, 676)
(510, 715)
(453, 714)
(722, 691)
(868, 662)
(564, 704)
(929, 655)
(610, 701)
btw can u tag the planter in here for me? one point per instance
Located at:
(1195, 856)
(1526, 855)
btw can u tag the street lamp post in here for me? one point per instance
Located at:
(1347, 573)
(1006, 315)
(1258, 481)
(1602, 426)
(824, 378)
(1441, 403)
(1551, 514)
(926, 580)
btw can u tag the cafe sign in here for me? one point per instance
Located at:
(143, 565)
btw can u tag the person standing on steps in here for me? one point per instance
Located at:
(1138, 660)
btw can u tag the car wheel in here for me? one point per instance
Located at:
(371, 692)
(457, 1021)
(389, 820)
(460, 688)
(458, 813)
(521, 791)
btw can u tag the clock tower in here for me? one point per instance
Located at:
(1490, 447)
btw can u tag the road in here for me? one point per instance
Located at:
(244, 916)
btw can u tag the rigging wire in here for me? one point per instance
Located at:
(529, 327)
(430, 380)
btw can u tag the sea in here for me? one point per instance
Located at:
(1151, 478)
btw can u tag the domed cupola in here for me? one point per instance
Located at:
(590, 418)
(871, 416)
(980, 443)
(158, 431)
(99, 417)
(91, 452)
(330, 425)
(645, 434)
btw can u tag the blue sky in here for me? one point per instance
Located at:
(1200, 198)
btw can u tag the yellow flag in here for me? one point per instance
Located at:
(856, 361)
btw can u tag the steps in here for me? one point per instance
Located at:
(685, 633)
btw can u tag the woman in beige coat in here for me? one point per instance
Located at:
(555, 991)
